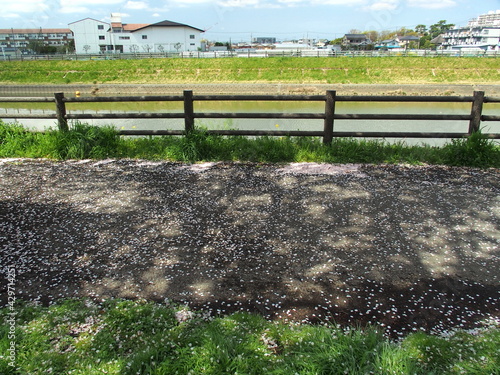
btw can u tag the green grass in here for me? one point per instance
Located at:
(366, 70)
(126, 337)
(91, 142)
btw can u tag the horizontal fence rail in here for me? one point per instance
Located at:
(242, 53)
(328, 116)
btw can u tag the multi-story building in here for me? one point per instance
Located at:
(480, 33)
(489, 19)
(29, 40)
(93, 36)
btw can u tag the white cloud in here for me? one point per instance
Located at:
(24, 6)
(432, 4)
(86, 3)
(10, 15)
(321, 2)
(70, 9)
(338, 2)
(189, 2)
(264, 3)
(239, 3)
(382, 5)
(136, 5)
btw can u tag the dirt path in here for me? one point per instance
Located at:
(250, 88)
(408, 247)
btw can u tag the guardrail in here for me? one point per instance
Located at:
(328, 116)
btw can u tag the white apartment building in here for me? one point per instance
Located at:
(482, 33)
(93, 36)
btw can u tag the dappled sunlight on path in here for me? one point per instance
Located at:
(407, 247)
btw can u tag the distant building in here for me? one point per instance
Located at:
(491, 18)
(389, 44)
(480, 33)
(356, 41)
(406, 40)
(264, 40)
(290, 46)
(27, 40)
(93, 36)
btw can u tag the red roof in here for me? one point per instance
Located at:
(134, 26)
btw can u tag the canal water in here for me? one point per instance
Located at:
(268, 124)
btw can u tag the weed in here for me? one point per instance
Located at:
(475, 151)
(92, 142)
(127, 337)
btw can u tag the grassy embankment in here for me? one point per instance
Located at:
(364, 70)
(84, 141)
(125, 337)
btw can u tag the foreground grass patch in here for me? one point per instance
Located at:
(126, 337)
(91, 142)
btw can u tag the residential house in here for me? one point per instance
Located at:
(356, 41)
(93, 36)
(25, 40)
(438, 41)
(388, 44)
(407, 40)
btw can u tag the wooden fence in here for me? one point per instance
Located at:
(328, 116)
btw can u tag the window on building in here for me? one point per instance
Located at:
(192, 44)
(100, 27)
(124, 38)
(101, 37)
(144, 37)
(191, 36)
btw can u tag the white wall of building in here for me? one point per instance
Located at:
(486, 38)
(91, 33)
(480, 33)
(147, 39)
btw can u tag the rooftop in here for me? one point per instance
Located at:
(35, 31)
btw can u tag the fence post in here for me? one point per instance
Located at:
(62, 123)
(188, 111)
(329, 114)
(477, 110)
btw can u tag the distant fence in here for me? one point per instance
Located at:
(254, 53)
(328, 116)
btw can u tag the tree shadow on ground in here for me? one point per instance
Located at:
(406, 247)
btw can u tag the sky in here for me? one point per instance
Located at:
(242, 20)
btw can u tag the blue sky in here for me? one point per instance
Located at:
(240, 20)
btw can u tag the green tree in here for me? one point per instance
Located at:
(439, 28)
(373, 35)
(35, 46)
(421, 29)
